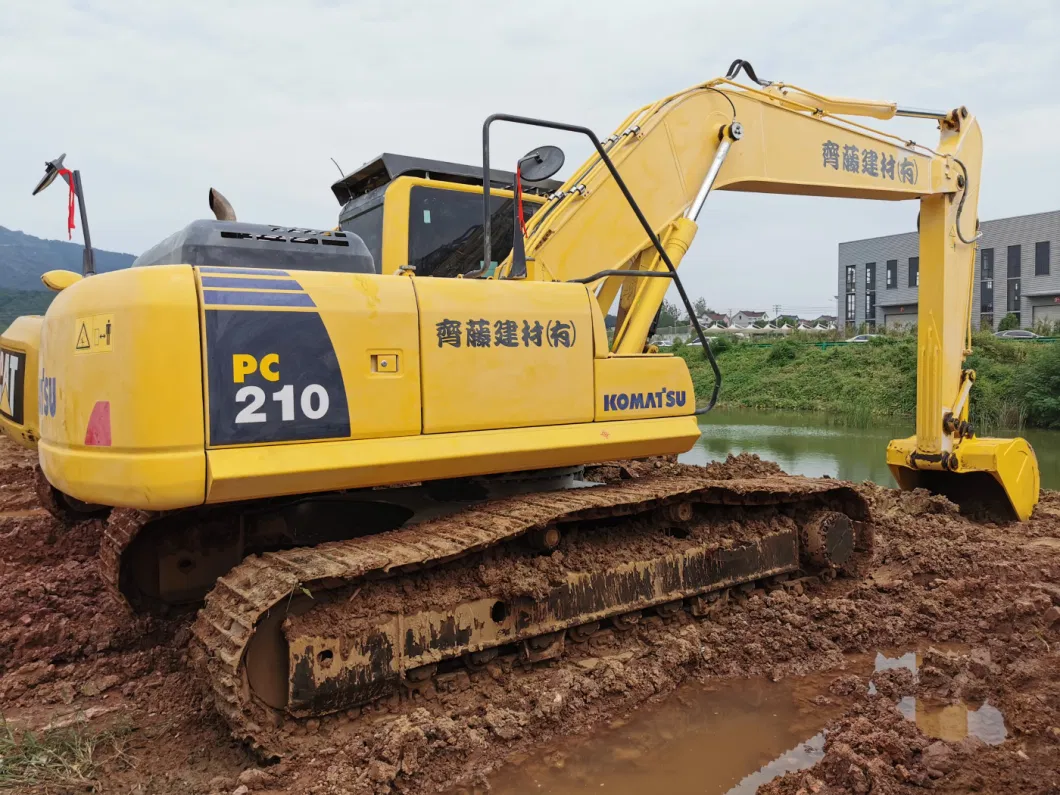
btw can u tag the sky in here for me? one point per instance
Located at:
(157, 102)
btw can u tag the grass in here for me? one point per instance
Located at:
(859, 383)
(65, 757)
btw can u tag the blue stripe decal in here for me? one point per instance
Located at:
(251, 284)
(256, 299)
(242, 271)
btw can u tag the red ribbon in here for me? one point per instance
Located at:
(519, 198)
(65, 172)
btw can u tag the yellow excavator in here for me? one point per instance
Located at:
(368, 476)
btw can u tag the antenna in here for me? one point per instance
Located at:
(52, 169)
(341, 172)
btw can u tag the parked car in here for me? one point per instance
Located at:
(862, 337)
(1016, 334)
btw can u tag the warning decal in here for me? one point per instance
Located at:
(95, 334)
(12, 384)
(273, 376)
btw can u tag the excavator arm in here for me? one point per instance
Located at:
(778, 138)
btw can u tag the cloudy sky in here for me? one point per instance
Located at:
(155, 102)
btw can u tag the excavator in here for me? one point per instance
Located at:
(365, 477)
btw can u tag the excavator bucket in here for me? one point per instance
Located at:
(990, 473)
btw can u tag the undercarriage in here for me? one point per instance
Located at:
(288, 635)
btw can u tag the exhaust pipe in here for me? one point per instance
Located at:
(221, 207)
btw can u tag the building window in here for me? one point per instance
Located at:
(852, 277)
(986, 295)
(1041, 258)
(870, 292)
(1013, 262)
(851, 305)
(892, 274)
(1013, 267)
(914, 271)
(986, 263)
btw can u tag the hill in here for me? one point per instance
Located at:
(23, 258)
(14, 303)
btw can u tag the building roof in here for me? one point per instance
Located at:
(751, 314)
(983, 224)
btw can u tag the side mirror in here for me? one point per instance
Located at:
(541, 163)
(59, 280)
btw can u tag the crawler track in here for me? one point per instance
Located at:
(291, 635)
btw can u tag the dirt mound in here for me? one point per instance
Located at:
(66, 648)
(744, 465)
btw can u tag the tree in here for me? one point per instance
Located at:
(669, 314)
(701, 308)
(1009, 321)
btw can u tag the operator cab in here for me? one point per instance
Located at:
(427, 214)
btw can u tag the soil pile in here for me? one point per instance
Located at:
(68, 649)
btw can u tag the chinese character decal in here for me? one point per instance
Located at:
(505, 334)
(560, 334)
(830, 154)
(886, 165)
(448, 333)
(850, 159)
(532, 334)
(478, 333)
(907, 171)
(869, 163)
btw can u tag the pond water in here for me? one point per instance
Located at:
(816, 445)
(725, 738)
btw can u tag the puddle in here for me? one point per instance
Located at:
(701, 740)
(728, 739)
(951, 722)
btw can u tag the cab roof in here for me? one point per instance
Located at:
(388, 167)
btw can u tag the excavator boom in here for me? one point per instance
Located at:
(781, 139)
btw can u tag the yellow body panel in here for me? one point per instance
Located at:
(640, 387)
(146, 380)
(19, 347)
(234, 384)
(499, 354)
(253, 472)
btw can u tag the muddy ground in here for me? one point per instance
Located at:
(73, 659)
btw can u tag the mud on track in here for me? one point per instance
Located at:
(65, 648)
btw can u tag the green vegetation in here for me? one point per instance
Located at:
(1008, 322)
(22, 302)
(1017, 382)
(67, 758)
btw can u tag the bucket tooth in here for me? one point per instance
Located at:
(988, 472)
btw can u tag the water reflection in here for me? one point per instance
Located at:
(952, 722)
(816, 445)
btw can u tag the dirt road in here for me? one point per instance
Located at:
(126, 716)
